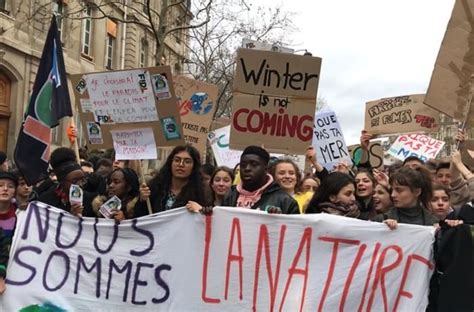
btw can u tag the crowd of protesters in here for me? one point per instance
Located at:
(413, 192)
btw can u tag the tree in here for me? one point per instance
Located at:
(162, 19)
(212, 47)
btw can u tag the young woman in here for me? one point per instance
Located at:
(309, 184)
(221, 181)
(68, 171)
(335, 195)
(411, 195)
(178, 181)
(123, 183)
(287, 174)
(365, 185)
(381, 199)
(440, 201)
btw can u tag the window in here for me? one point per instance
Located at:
(110, 46)
(87, 31)
(143, 53)
(110, 52)
(4, 6)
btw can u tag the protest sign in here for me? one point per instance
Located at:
(274, 100)
(234, 260)
(415, 144)
(225, 156)
(400, 114)
(467, 149)
(375, 154)
(328, 140)
(451, 86)
(127, 100)
(197, 104)
(134, 144)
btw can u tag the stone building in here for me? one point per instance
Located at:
(90, 44)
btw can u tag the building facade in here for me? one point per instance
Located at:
(94, 38)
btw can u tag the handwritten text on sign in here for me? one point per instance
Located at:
(401, 114)
(134, 144)
(415, 144)
(235, 260)
(274, 98)
(329, 141)
(122, 96)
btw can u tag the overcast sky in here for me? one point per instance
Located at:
(370, 49)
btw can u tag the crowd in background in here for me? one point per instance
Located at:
(413, 192)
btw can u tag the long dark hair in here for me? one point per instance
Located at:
(415, 179)
(131, 179)
(193, 190)
(331, 185)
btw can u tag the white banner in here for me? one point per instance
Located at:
(236, 260)
(415, 144)
(328, 140)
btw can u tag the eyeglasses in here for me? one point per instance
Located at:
(180, 161)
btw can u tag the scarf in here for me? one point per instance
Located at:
(246, 198)
(351, 211)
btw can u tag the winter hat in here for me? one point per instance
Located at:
(63, 161)
(9, 176)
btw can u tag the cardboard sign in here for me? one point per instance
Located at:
(375, 150)
(134, 144)
(236, 260)
(415, 144)
(467, 145)
(274, 100)
(451, 83)
(328, 140)
(126, 100)
(197, 102)
(401, 114)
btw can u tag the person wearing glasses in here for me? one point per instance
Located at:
(68, 172)
(178, 182)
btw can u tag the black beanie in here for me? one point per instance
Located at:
(9, 176)
(256, 150)
(65, 168)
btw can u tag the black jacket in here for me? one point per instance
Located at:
(51, 198)
(416, 215)
(273, 195)
(452, 284)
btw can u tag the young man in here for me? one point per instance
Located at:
(443, 174)
(257, 190)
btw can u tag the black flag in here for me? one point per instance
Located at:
(49, 103)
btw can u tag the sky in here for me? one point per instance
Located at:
(370, 49)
